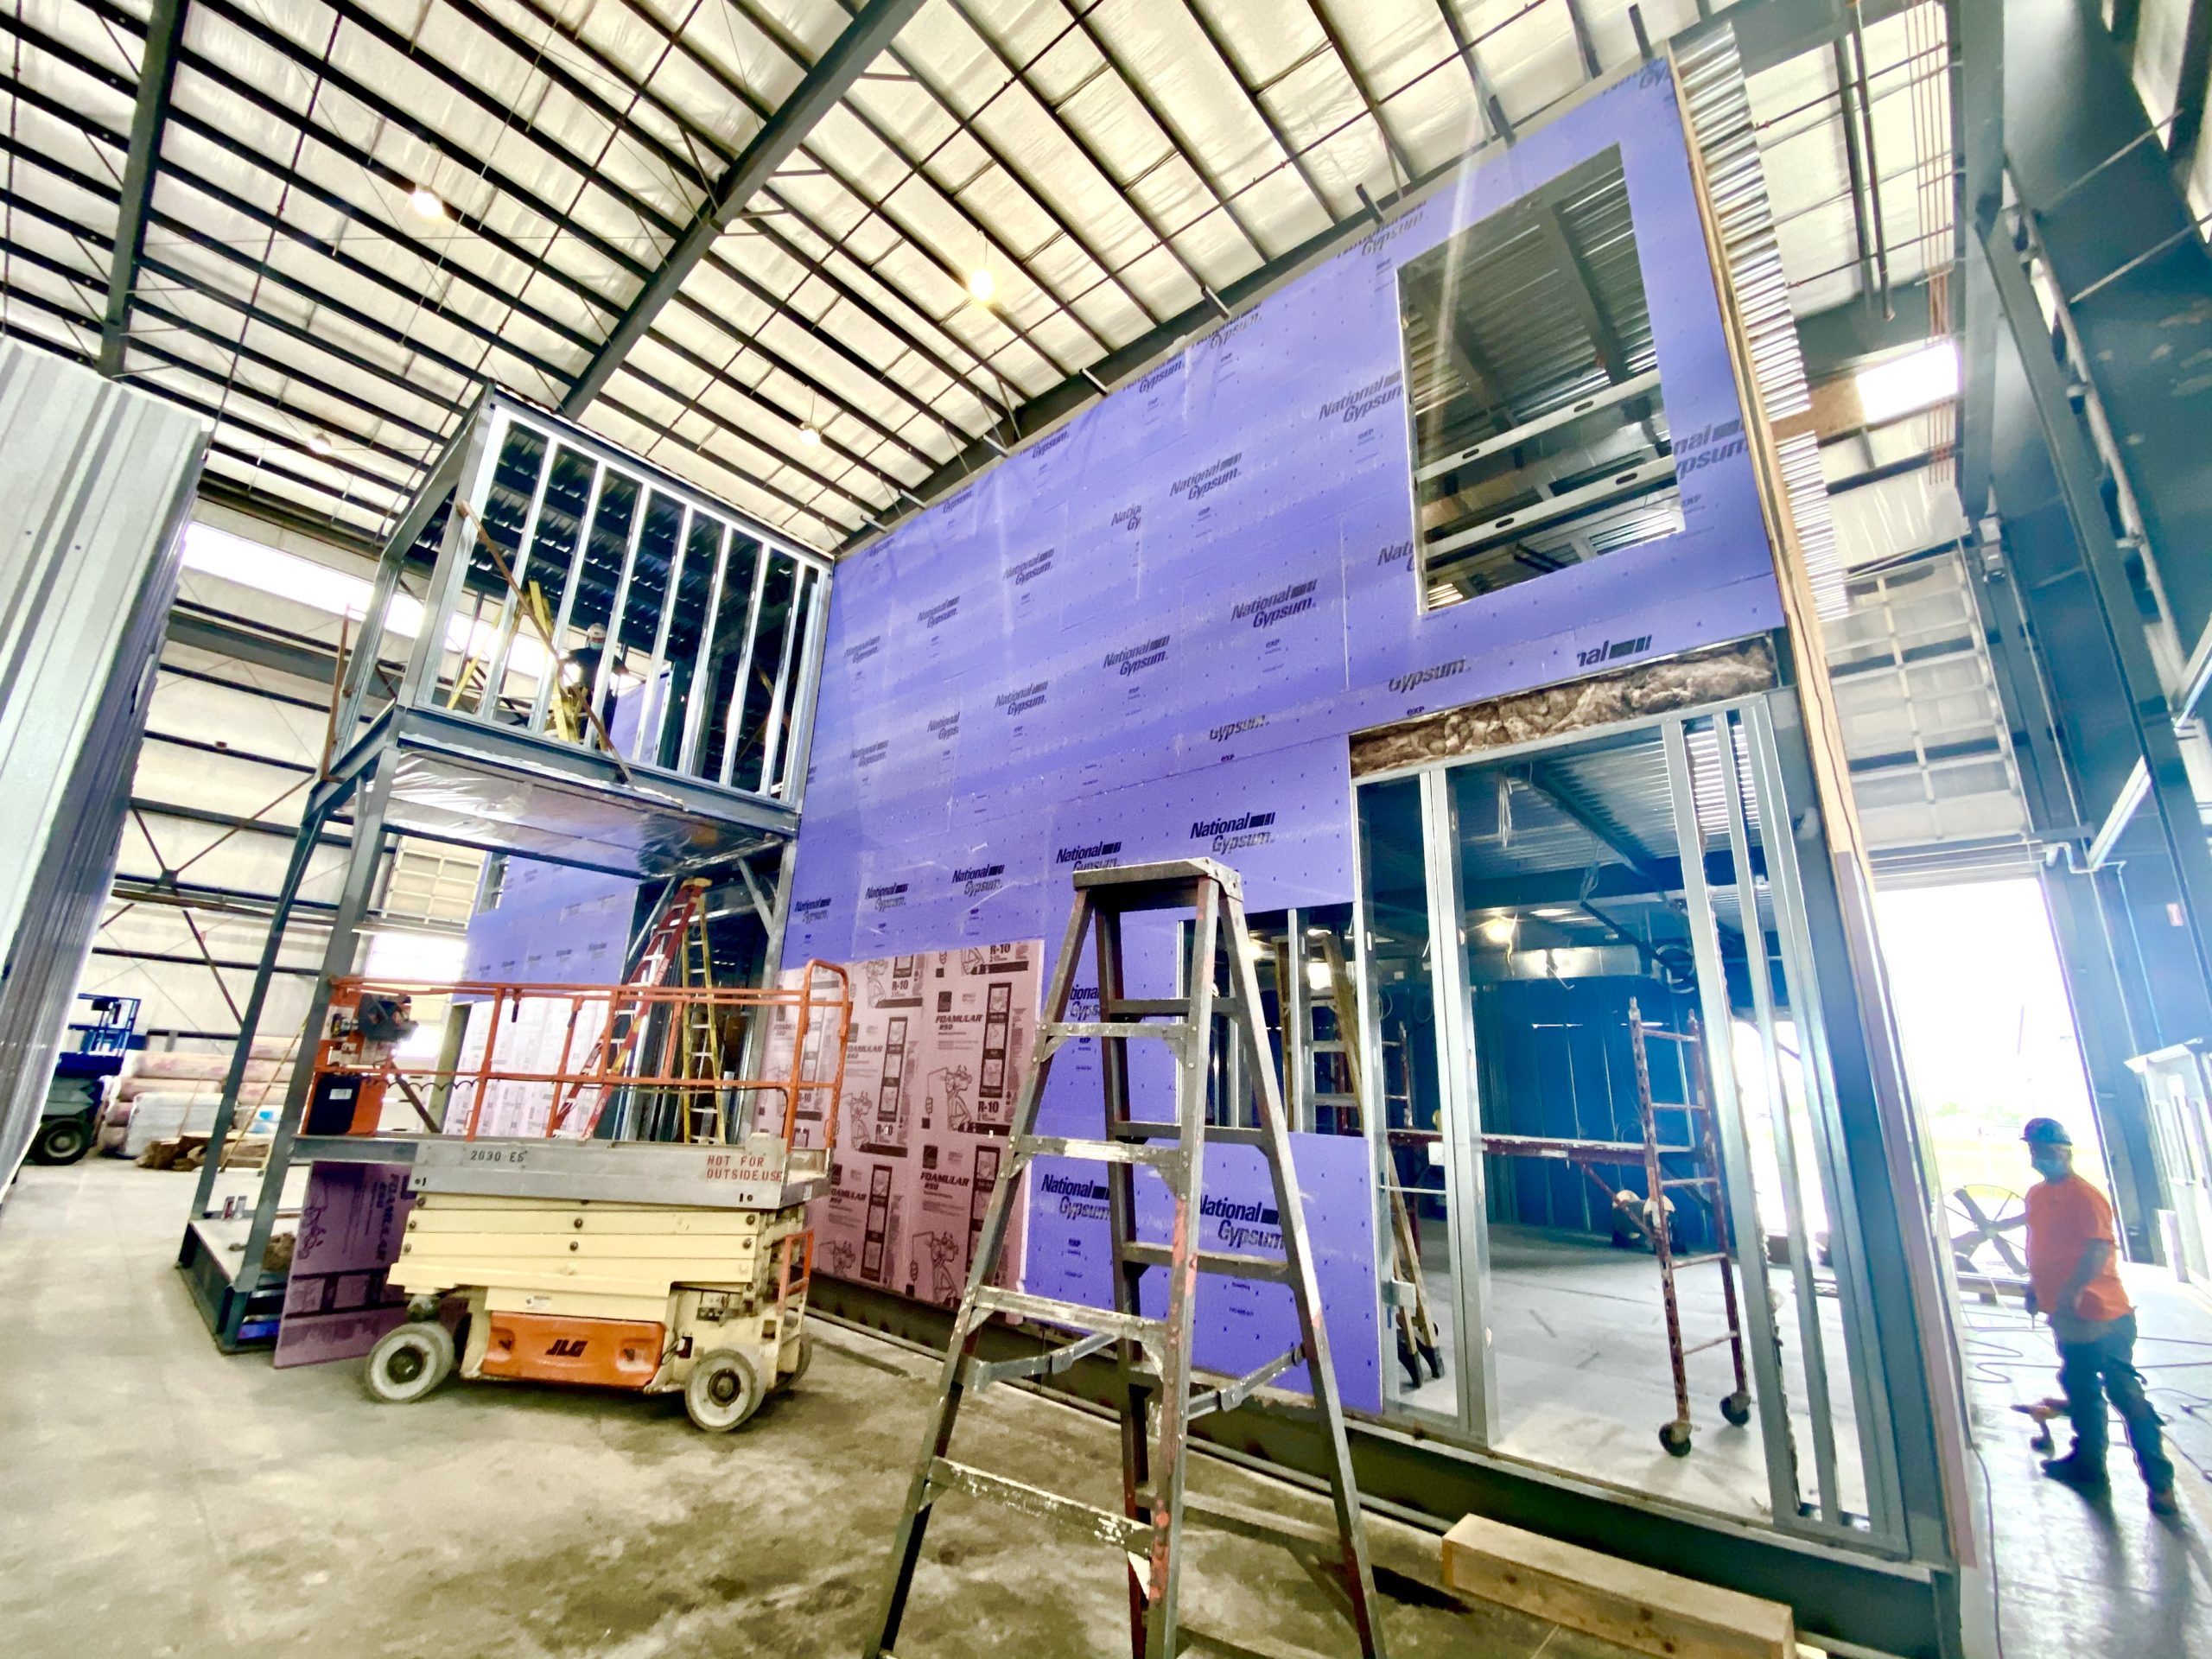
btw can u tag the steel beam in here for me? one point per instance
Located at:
(2180, 824)
(2189, 88)
(1220, 45)
(1771, 32)
(833, 74)
(156, 77)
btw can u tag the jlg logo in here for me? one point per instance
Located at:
(566, 1348)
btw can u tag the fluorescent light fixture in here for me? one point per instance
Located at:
(1928, 377)
(982, 285)
(427, 202)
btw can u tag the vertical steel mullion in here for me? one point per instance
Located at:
(1466, 1212)
(649, 747)
(1736, 1160)
(798, 756)
(730, 721)
(798, 615)
(360, 668)
(1758, 970)
(622, 598)
(586, 521)
(702, 691)
(1870, 1401)
(1373, 1129)
(472, 485)
(495, 670)
(1296, 1010)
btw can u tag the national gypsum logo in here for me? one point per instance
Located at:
(1243, 1225)
(1265, 612)
(1420, 677)
(1358, 404)
(1079, 1198)
(1208, 479)
(1094, 856)
(1225, 836)
(1707, 445)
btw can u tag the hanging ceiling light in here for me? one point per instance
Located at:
(427, 202)
(319, 443)
(810, 435)
(982, 285)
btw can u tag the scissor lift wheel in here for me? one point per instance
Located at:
(409, 1361)
(723, 1390)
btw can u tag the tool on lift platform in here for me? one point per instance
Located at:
(1152, 1355)
(363, 1033)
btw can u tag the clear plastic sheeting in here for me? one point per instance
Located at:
(96, 481)
(558, 819)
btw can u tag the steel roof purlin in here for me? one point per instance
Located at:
(738, 235)
(825, 87)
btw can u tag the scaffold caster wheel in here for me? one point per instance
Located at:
(1675, 1437)
(408, 1362)
(723, 1390)
(1737, 1408)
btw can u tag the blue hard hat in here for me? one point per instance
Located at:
(2045, 1132)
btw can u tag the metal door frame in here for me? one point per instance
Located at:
(1475, 1422)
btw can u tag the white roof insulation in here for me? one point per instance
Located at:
(361, 210)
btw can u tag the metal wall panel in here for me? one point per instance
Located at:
(95, 481)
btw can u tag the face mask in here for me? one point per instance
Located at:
(2048, 1164)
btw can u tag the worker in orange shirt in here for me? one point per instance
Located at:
(2072, 1281)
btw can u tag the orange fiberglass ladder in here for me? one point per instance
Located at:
(626, 1016)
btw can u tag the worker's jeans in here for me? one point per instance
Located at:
(2096, 1358)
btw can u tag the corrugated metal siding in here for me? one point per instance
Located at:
(96, 481)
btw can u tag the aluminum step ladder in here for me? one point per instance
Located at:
(1414, 1325)
(1155, 1387)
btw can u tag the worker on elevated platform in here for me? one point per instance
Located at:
(2073, 1283)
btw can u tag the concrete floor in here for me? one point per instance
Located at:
(157, 1498)
(1580, 1346)
(2078, 1578)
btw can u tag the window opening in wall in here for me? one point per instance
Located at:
(1540, 432)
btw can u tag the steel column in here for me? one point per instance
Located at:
(1466, 1208)
(2078, 475)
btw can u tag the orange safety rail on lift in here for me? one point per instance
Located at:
(802, 1044)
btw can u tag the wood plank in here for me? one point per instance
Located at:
(1635, 1607)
